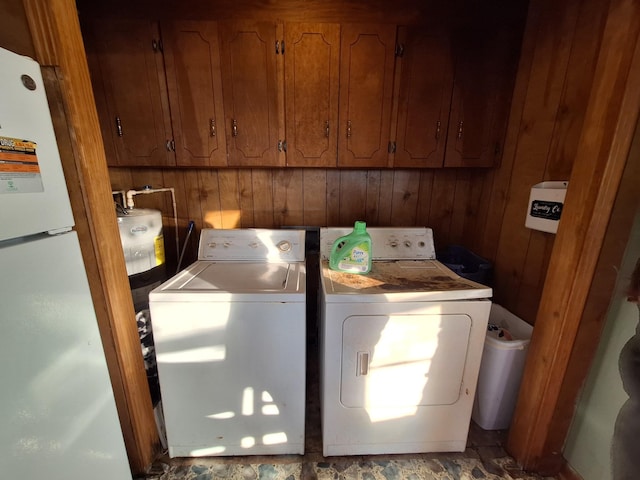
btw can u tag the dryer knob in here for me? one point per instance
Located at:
(211, 244)
(253, 245)
(407, 243)
(393, 243)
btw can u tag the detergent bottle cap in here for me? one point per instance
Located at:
(360, 227)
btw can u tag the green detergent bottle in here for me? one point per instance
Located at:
(352, 253)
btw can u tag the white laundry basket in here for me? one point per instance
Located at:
(505, 351)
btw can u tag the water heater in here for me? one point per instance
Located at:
(142, 240)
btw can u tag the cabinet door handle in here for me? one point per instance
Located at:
(326, 129)
(234, 128)
(277, 47)
(168, 145)
(348, 128)
(438, 130)
(119, 126)
(460, 129)
(212, 127)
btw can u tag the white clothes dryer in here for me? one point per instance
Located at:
(400, 348)
(229, 334)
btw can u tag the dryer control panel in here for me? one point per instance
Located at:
(252, 244)
(387, 243)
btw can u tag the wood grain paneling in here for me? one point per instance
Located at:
(288, 201)
(353, 196)
(15, 29)
(386, 193)
(554, 40)
(271, 198)
(431, 12)
(404, 200)
(314, 194)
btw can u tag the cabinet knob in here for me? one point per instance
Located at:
(212, 127)
(348, 128)
(438, 130)
(460, 129)
(234, 128)
(326, 129)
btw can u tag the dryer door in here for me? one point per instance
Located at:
(403, 360)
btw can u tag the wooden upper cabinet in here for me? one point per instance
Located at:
(311, 93)
(366, 89)
(192, 62)
(424, 98)
(251, 92)
(485, 69)
(134, 113)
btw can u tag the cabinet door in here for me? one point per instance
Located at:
(132, 73)
(311, 93)
(484, 75)
(424, 98)
(366, 88)
(251, 95)
(192, 60)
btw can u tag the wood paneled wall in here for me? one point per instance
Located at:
(272, 198)
(551, 95)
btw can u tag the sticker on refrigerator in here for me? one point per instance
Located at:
(19, 168)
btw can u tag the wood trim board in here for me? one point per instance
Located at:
(58, 42)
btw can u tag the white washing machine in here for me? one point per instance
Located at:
(400, 348)
(229, 333)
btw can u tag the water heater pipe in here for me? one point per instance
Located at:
(145, 191)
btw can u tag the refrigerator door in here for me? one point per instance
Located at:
(58, 412)
(33, 192)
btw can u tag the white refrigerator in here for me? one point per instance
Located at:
(58, 418)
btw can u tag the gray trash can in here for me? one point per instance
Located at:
(505, 351)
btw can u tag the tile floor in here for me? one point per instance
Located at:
(485, 460)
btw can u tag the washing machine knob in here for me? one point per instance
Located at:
(253, 245)
(393, 243)
(407, 243)
(284, 246)
(211, 245)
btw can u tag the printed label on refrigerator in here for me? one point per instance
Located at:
(19, 168)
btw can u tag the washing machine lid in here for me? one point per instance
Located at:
(235, 281)
(400, 281)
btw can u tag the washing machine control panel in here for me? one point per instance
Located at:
(252, 244)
